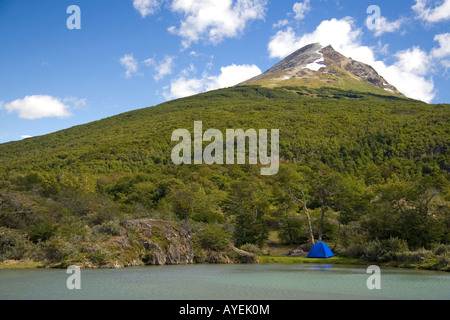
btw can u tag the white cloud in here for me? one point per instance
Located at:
(25, 136)
(229, 76)
(439, 13)
(146, 7)
(409, 73)
(215, 20)
(76, 103)
(415, 61)
(283, 43)
(38, 106)
(444, 46)
(382, 48)
(339, 33)
(301, 9)
(162, 68)
(149, 62)
(446, 64)
(189, 70)
(130, 64)
(232, 75)
(281, 24)
(183, 87)
(385, 26)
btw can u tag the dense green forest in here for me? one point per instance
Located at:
(367, 173)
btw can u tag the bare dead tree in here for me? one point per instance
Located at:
(302, 201)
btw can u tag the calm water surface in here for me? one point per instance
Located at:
(226, 282)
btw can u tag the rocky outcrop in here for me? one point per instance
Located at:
(229, 256)
(244, 256)
(138, 243)
(160, 242)
(152, 242)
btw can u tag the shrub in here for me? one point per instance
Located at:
(213, 237)
(13, 245)
(375, 252)
(42, 231)
(41, 183)
(378, 251)
(110, 228)
(420, 255)
(444, 261)
(394, 245)
(291, 230)
(100, 256)
(58, 249)
(351, 234)
(355, 251)
(249, 247)
(442, 249)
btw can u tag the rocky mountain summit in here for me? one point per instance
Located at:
(316, 65)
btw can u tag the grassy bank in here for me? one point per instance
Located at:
(429, 265)
(14, 264)
(388, 253)
(275, 259)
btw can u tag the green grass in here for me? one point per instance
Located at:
(430, 264)
(12, 264)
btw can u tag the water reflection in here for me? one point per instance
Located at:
(232, 282)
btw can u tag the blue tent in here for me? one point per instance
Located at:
(320, 250)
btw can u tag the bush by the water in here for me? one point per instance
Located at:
(250, 247)
(14, 245)
(213, 237)
(396, 250)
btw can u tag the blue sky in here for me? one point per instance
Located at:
(131, 54)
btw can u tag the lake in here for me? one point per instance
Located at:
(226, 282)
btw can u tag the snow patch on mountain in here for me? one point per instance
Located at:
(316, 66)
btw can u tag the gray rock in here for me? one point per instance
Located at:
(162, 242)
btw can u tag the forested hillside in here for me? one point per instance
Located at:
(375, 167)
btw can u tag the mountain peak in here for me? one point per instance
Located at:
(321, 66)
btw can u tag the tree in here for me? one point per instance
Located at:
(194, 201)
(248, 204)
(414, 212)
(294, 185)
(325, 183)
(183, 201)
(302, 200)
(291, 229)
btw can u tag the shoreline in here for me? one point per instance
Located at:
(21, 265)
(350, 261)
